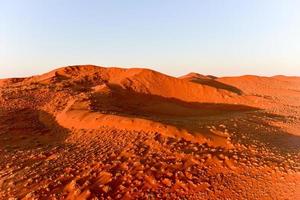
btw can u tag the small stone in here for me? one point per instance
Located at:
(106, 189)
(167, 182)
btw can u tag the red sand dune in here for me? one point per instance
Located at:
(88, 132)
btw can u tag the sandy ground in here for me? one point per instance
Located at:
(87, 132)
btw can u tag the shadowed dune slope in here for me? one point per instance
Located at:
(210, 81)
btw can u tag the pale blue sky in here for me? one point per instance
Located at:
(219, 37)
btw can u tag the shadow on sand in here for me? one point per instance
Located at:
(28, 128)
(218, 85)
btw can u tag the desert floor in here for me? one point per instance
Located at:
(87, 132)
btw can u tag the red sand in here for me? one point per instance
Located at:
(87, 132)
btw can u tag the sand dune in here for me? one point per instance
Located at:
(88, 132)
(210, 81)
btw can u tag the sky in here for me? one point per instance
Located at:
(218, 37)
